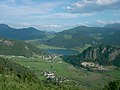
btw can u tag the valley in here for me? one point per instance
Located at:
(62, 70)
(59, 44)
(76, 58)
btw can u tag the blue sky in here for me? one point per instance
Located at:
(57, 15)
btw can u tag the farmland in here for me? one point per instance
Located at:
(75, 76)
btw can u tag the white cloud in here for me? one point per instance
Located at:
(107, 22)
(79, 5)
(51, 26)
(25, 24)
(1, 21)
(56, 16)
(71, 15)
(68, 8)
(83, 24)
(106, 2)
(88, 6)
(65, 15)
(30, 8)
(101, 22)
(112, 21)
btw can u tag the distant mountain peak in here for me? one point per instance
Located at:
(114, 25)
(4, 26)
(21, 34)
(31, 28)
(81, 27)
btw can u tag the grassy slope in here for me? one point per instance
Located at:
(18, 48)
(114, 73)
(76, 76)
(40, 45)
(9, 79)
(43, 46)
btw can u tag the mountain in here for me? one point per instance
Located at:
(71, 38)
(82, 35)
(18, 48)
(114, 25)
(21, 34)
(101, 54)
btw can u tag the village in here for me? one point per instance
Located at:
(51, 76)
(93, 66)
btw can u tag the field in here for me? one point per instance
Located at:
(43, 46)
(76, 76)
(114, 73)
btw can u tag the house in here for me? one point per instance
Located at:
(90, 64)
(50, 56)
(49, 75)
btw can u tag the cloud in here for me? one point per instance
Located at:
(90, 6)
(25, 24)
(28, 8)
(103, 22)
(1, 21)
(51, 26)
(60, 16)
(65, 15)
(106, 2)
(79, 5)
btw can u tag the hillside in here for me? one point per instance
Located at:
(7, 66)
(102, 54)
(82, 35)
(113, 85)
(71, 38)
(16, 77)
(21, 34)
(18, 48)
(114, 25)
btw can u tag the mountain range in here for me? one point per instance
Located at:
(104, 51)
(82, 35)
(20, 34)
(71, 38)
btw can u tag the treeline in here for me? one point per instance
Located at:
(113, 85)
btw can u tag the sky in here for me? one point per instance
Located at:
(58, 15)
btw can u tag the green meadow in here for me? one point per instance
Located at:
(75, 76)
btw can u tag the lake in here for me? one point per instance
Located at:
(61, 51)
